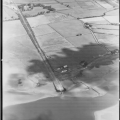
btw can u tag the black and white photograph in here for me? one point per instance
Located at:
(60, 60)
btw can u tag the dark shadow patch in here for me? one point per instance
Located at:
(15, 78)
(36, 67)
(74, 57)
(89, 53)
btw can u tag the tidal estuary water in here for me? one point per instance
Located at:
(69, 108)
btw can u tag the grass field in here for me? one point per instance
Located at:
(42, 30)
(57, 17)
(9, 14)
(57, 6)
(37, 21)
(34, 11)
(71, 28)
(88, 5)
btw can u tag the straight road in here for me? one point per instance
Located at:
(57, 84)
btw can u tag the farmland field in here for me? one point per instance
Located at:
(77, 31)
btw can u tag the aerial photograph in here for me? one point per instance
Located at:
(60, 60)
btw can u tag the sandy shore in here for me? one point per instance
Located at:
(111, 113)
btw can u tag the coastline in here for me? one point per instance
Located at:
(108, 114)
(60, 109)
